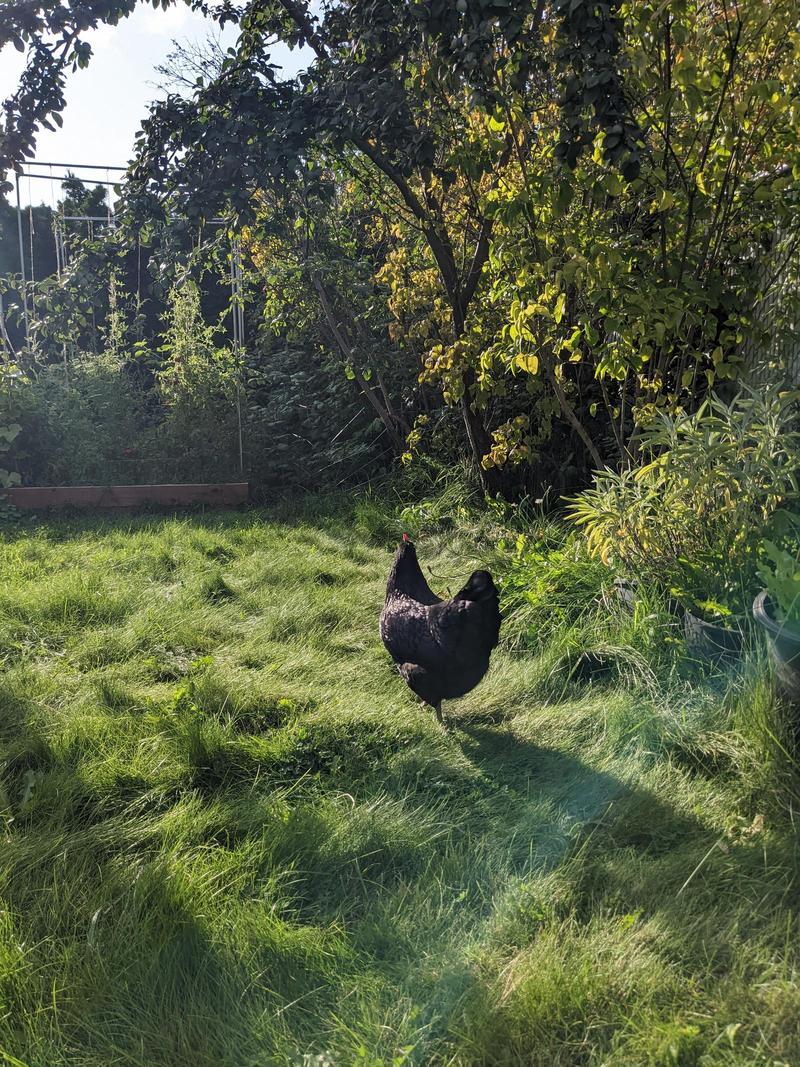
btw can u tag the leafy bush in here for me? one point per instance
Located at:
(80, 429)
(124, 416)
(449, 499)
(547, 583)
(780, 571)
(691, 518)
(199, 388)
(304, 423)
(11, 380)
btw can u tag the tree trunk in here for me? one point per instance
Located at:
(569, 414)
(478, 436)
(405, 429)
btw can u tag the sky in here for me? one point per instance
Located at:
(107, 101)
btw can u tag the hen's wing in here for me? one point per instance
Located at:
(465, 628)
(426, 684)
(440, 636)
(405, 629)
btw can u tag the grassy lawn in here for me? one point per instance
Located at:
(231, 837)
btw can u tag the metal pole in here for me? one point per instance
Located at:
(73, 166)
(236, 279)
(3, 331)
(22, 264)
(63, 178)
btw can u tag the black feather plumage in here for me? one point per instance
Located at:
(441, 647)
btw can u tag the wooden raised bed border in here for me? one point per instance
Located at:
(224, 494)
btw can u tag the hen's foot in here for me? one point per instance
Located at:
(439, 717)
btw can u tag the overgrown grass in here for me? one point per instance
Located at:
(232, 838)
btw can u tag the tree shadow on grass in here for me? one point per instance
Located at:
(113, 887)
(581, 798)
(592, 850)
(129, 961)
(632, 852)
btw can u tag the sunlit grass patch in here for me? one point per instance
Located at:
(231, 835)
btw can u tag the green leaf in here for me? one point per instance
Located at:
(613, 185)
(563, 198)
(665, 201)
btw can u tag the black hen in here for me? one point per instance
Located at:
(441, 647)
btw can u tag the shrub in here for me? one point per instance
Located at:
(691, 518)
(11, 381)
(83, 428)
(547, 583)
(199, 388)
(780, 570)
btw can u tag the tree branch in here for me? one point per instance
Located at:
(571, 417)
(299, 13)
(344, 347)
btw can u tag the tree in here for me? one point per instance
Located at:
(319, 259)
(635, 296)
(391, 84)
(579, 205)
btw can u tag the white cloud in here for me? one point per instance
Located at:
(104, 38)
(179, 19)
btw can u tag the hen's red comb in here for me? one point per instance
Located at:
(406, 539)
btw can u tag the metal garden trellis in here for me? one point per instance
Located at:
(236, 271)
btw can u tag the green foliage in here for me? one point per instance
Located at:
(81, 424)
(12, 382)
(94, 421)
(548, 582)
(196, 371)
(691, 518)
(199, 385)
(468, 38)
(617, 298)
(556, 220)
(780, 570)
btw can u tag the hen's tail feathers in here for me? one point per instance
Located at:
(406, 577)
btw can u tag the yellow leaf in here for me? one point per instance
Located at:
(665, 201)
(528, 362)
(701, 184)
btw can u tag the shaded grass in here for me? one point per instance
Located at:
(231, 837)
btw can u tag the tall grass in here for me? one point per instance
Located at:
(230, 835)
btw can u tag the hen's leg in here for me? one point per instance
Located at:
(423, 683)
